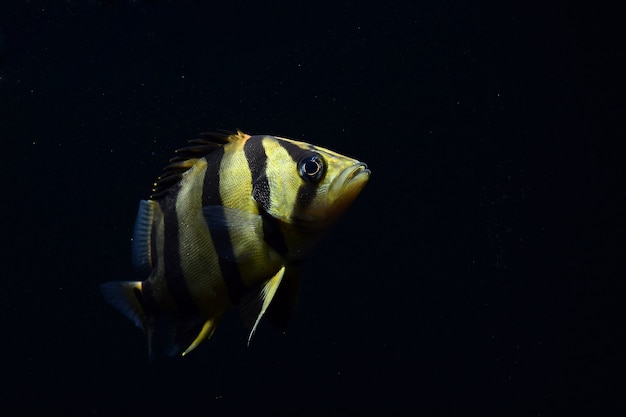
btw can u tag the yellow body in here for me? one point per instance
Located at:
(228, 223)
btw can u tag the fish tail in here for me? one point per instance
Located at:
(127, 298)
(166, 333)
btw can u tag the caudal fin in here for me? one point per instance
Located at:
(127, 298)
(167, 333)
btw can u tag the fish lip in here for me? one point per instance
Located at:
(358, 169)
(352, 173)
(350, 182)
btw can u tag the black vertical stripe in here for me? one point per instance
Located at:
(257, 162)
(293, 150)
(273, 235)
(220, 235)
(211, 184)
(307, 190)
(306, 194)
(261, 192)
(174, 277)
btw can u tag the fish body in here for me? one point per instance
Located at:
(227, 225)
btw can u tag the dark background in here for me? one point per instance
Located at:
(481, 271)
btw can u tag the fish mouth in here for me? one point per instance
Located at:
(356, 170)
(348, 185)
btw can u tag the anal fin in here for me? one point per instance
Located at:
(206, 332)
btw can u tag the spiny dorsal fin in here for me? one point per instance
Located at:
(186, 158)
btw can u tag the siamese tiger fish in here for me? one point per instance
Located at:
(227, 225)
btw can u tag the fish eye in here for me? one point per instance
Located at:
(312, 167)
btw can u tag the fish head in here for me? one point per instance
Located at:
(311, 186)
(337, 181)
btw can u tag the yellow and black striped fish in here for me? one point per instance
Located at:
(227, 225)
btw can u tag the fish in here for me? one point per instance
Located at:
(227, 226)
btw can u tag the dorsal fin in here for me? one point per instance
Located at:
(143, 251)
(186, 158)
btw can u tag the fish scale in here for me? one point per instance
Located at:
(226, 225)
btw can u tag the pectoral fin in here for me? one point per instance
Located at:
(229, 225)
(280, 311)
(255, 304)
